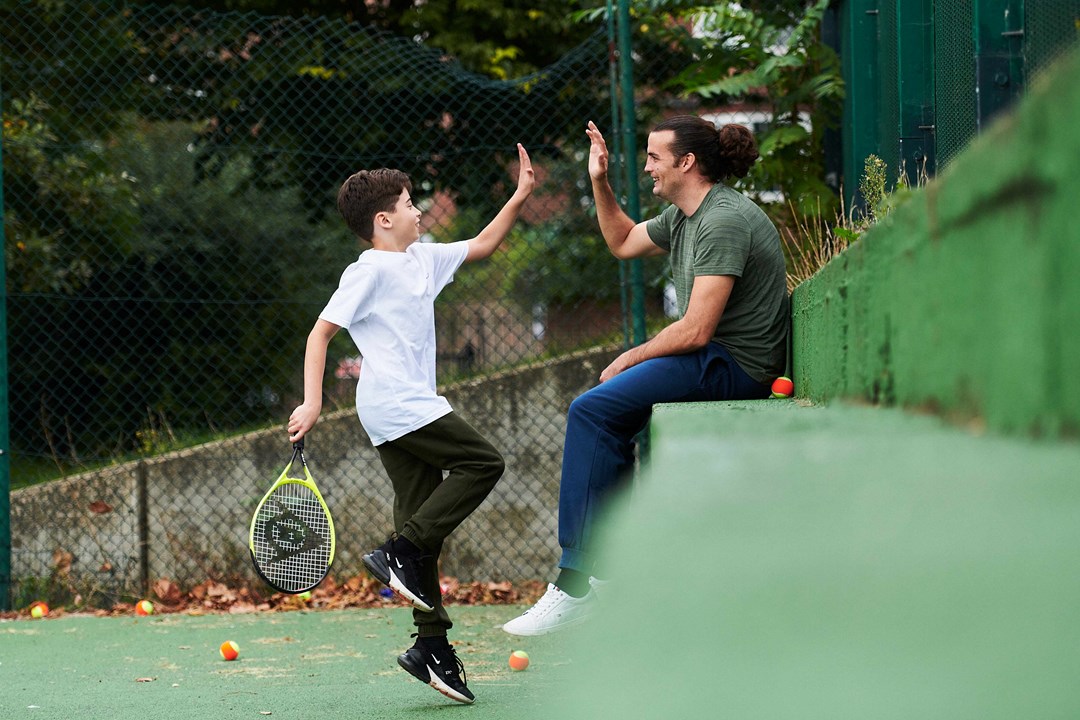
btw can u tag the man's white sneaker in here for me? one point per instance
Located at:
(554, 611)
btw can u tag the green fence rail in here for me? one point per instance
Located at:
(5, 456)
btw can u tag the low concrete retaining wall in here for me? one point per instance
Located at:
(185, 515)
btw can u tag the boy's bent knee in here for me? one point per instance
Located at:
(495, 466)
(488, 465)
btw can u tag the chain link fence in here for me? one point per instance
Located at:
(1023, 48)
(928, 77)
(169, 185)
(171, 232)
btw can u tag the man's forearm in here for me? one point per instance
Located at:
(675, 339)
(615, 224)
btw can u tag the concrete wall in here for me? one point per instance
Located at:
(781, 562)
(194, 506)
(966, 300)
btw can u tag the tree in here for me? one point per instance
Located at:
(167, 171)
(499, 39)
(767, 55)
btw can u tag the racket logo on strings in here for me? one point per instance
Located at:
(289, 536)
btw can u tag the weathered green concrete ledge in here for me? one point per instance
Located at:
(778, 561)
(966, 300)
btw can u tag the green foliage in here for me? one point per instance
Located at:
(770, 57)
(498, 39)
(163, 152)
(80, 214)
(555, 265)
(872, 184)
(879, 199)
(810, 241)
(169, 192)
(177, 276)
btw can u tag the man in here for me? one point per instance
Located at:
(728, 343)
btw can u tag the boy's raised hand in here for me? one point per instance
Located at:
(484, 244)
(526, 176)
(598, 152)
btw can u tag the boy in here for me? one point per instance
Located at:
(386, 301)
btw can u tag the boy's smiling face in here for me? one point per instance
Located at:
(405, 220)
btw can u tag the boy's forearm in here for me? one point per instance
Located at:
(484, 244)
(304, 417)
(314, 369)
(315, 365)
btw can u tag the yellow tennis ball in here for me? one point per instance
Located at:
(230, 650)
(39, 610)
(519, 660)
(305, 596)
(144, 607)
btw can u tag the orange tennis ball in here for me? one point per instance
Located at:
(230, 650)
(39, 610)
(144, 607)
(782, 387)
(519, 660)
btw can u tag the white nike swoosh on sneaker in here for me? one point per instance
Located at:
(398, 562)
(436, 660)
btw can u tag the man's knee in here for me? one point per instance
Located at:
(586, 404)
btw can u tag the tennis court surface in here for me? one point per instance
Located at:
(303, 664)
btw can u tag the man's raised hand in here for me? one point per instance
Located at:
(598, 153)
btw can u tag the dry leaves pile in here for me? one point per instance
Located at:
(361, 591)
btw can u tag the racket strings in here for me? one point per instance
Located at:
(293, 540)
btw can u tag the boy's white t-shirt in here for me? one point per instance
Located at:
(386, 300)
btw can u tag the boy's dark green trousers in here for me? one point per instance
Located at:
(428, 506)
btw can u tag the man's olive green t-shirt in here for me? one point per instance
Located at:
(730, 235)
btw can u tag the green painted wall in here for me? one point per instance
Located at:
(966, 300)
(779, 562)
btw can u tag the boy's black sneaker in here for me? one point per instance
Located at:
(401, 573)
(434, 661)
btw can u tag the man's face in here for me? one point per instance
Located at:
(661, 163)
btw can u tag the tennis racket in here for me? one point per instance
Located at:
(292, 534)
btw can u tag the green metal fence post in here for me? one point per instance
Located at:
(859, 53)
(5, 451)
(915, 86)
(616, 150)
(629, 133)
(999, 70)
